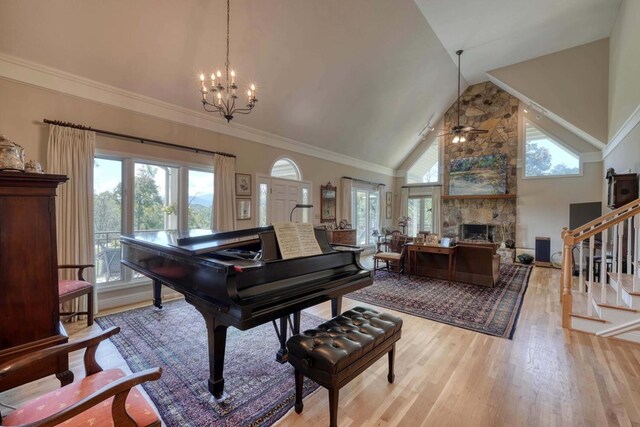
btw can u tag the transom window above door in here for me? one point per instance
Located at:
(286, 169)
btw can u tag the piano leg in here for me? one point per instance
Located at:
(157, 293)
(283, 355)
(217, 339)
(336, 306)
(296, 323)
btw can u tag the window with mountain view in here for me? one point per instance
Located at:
(546, 156)
(158, 192)
(200, 199)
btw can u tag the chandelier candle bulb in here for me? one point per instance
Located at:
(227, 107)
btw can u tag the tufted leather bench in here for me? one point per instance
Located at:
(337, 351)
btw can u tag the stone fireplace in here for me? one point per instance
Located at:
(484, 106)
(478, 232)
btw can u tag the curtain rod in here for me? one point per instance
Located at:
(362, 180)
(136, 138)
(421, 185)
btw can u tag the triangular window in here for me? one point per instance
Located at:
(426, 168)
(546, 156)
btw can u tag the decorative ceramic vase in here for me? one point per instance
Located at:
(11, 155)
(33, 167)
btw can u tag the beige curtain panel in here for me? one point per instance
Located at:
(224, 204)
(71, 152)
(345, 199)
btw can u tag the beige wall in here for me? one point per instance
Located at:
(579, 74)
(543, 203)
(624, 65)
(23, 107)
(624, 88)
(624, 158)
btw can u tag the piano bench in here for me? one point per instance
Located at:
(340, 349)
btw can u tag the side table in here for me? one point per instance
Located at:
(507, 256)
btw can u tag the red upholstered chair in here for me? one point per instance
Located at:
(69, 290)
(101, 398)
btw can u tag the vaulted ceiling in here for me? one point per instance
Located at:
(360, 78)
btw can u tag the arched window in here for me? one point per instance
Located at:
(287, 169)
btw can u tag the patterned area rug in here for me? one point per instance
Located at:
(493, 311)
(261, 390)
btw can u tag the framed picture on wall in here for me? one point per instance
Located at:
(389, 198)
(243, 208)
(243, 184)
(388, 212)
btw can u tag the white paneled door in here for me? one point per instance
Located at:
(284, 196)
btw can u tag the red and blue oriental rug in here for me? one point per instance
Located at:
(493, 311)
(261, 390)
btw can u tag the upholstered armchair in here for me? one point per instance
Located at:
(101, 395)
(393, 254)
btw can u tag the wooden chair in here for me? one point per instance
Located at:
(99, 396)
(393, 255)
(69, 290)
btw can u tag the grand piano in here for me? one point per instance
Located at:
(239, 279)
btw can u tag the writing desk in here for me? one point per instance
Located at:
(414, 249)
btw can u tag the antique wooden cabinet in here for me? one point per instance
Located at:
(343, 237)
(29, 309)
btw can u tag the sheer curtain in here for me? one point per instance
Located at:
(71, 152)
(404, 202)
(436, 198)
(345, 199)
(224, 189)
(382, 206)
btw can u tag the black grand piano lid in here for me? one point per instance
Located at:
(197, 242)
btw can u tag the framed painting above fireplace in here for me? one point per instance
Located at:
(478, 175)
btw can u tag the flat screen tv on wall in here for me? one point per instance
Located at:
(478, 175)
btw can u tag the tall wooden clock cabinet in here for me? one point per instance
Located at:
(29, 307)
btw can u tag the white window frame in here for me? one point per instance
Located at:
(557, 141)
(128, 184)
(439, 140)
(369, 189)
(422, 198)
(295, 166)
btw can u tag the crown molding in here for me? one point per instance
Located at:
(548, 113)
(632, 121)
(21, 70)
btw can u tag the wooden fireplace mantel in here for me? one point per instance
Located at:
(479, 196)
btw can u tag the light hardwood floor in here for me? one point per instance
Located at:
(446, 376)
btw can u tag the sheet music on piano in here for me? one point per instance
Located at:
(296, 239)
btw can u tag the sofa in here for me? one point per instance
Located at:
(476, 263)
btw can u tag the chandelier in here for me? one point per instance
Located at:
(223, 92)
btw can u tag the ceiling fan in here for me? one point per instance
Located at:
(458, 131)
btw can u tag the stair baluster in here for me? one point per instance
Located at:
(591, 268)
(581, 267)
(603, 265)
(629, 242)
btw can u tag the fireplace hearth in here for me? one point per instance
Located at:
(478, 232)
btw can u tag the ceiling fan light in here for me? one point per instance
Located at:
(463, 139)
(455, 139)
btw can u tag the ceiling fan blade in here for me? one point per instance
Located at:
(477, 131)
(443, 134)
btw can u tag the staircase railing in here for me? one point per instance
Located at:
(619, 227)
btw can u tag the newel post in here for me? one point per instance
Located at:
(566, 297)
